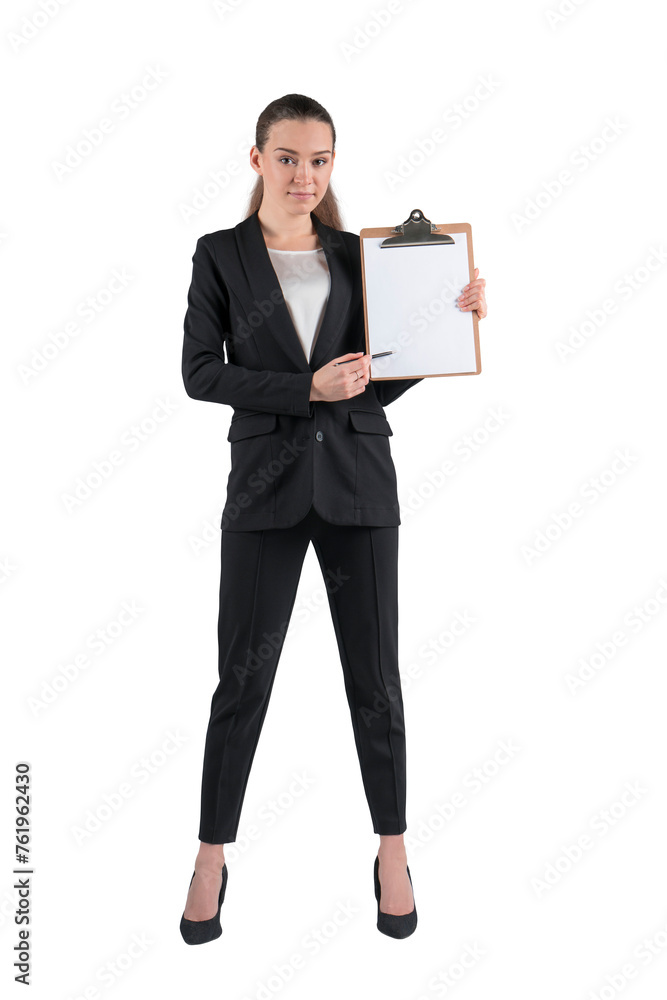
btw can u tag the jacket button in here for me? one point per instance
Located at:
(319, 435)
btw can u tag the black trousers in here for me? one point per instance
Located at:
(260, 571)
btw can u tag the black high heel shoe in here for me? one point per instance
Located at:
(201, 931)
(396, 925)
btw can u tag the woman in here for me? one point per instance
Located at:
(311, 461)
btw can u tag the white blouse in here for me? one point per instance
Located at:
(305, 282)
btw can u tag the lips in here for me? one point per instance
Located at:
(301, 194)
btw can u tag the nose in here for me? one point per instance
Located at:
(302, 173)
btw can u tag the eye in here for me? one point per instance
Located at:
(318, 160)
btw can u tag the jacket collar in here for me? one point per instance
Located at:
(263, 281)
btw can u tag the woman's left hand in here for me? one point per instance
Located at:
(472, 296)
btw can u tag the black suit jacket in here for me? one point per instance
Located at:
(287, 452)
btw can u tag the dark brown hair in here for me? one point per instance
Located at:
(295, 107)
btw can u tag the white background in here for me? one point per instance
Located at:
(551, 89)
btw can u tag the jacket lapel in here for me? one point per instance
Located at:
(265, 288)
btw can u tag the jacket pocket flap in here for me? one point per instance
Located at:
(250, 424)
(370, 422)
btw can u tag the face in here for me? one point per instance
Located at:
(297, 160)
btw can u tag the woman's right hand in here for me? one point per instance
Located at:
(331, 383)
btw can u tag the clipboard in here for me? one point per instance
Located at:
(411, 276)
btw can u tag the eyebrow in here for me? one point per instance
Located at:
(278, 148)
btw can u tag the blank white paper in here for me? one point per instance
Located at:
(411, 293)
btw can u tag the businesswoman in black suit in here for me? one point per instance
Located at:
(310, 462)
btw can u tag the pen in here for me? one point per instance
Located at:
(380, 355)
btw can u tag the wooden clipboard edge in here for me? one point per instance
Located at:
(457, 227)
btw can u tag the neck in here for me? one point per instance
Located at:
(280, 225)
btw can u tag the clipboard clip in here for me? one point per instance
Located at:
(416, 231)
